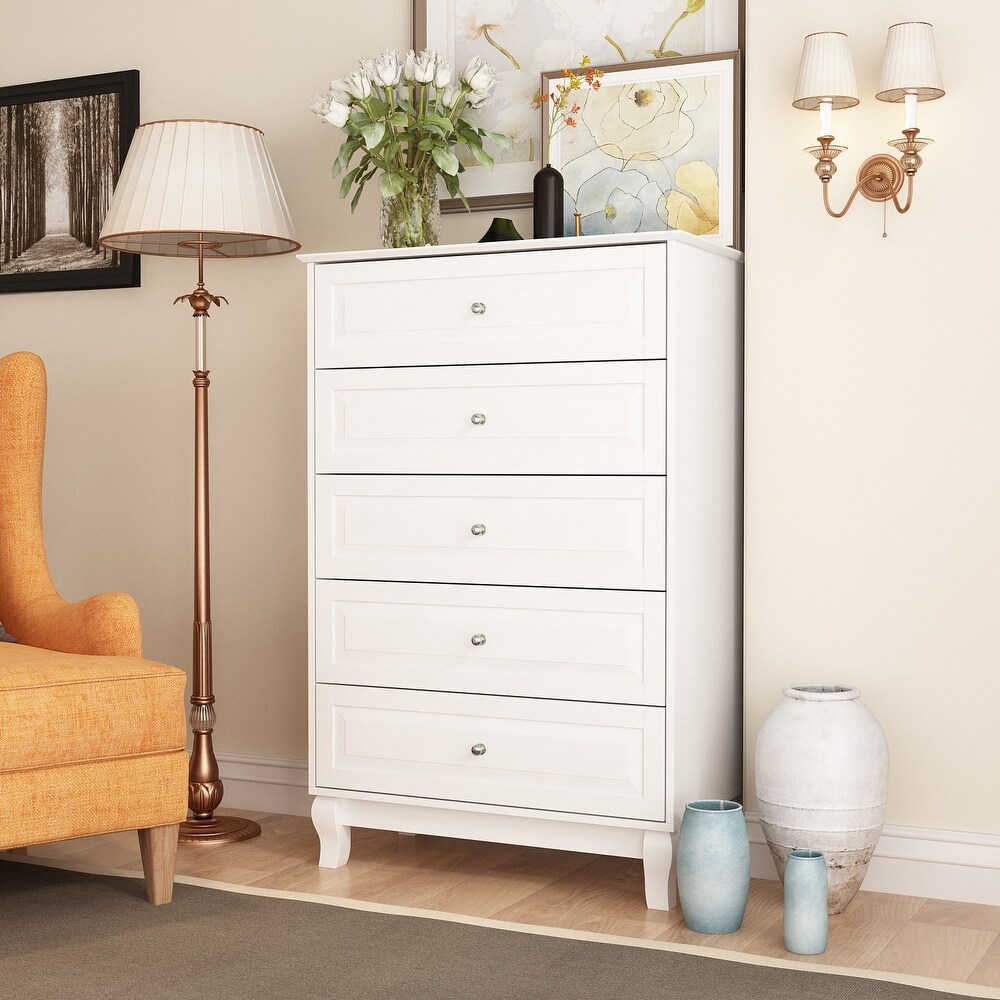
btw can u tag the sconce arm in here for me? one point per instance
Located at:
(903, 209)
(846, 208)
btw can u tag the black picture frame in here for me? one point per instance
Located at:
(79, 138)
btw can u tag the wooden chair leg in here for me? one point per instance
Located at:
(158, 847)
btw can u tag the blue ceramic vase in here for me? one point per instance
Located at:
(806, 919)
(713, 866)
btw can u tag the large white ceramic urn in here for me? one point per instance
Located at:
(822, 781)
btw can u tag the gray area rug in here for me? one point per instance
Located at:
(88, 937)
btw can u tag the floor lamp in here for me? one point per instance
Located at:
(206, 190)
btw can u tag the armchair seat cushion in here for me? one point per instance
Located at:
(67, 708)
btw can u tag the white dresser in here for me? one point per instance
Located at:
(525, 539)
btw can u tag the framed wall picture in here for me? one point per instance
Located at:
(62, 145)
(656, 147)
(524, 38)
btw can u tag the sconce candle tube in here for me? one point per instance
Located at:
(826, 117)
(910, 104)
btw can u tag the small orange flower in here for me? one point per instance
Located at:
(571, 122)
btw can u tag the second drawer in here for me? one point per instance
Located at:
(603, 418)
(581, 645)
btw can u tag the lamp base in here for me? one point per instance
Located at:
(217, 830)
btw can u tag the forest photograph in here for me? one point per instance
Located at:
(60, 157)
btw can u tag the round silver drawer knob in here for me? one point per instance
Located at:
(478, 308)
(479, 639)
(479, 529)
(479, 419)
(479, 749)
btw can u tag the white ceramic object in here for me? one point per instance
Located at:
(822, 781)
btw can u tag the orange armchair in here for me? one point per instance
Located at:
(92, 736)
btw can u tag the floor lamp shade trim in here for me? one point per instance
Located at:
(201, 189)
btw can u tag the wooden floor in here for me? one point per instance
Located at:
(924, 937)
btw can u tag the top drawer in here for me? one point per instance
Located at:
(595, 303)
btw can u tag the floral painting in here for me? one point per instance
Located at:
(652, 148)
(524, 38)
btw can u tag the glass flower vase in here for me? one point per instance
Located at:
(412, 218)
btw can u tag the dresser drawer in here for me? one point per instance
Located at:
(605, 532)
(581, 645)
(604, 760)
(598, 418)
(562, 305)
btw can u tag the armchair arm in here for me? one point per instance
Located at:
(105, 625)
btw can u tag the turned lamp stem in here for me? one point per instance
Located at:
(205, 789)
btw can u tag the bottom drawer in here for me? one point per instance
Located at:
(596, 759)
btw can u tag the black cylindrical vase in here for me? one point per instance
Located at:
(548, 203)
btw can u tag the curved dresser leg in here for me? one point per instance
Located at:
(334, 836)
(657, 863)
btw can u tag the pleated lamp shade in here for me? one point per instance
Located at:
(190, 181)
(826, 72)
(910, 65)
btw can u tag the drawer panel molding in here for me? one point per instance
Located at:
(604, 418)
(603, 532)
(576, 645)
(562, 756)
(420, 312)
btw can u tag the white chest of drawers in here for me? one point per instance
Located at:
(525, 542)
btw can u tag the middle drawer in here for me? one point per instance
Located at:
(601, 418)
(605, 532)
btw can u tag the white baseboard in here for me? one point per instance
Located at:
(914, 861)
(265, 784)
(909, 860)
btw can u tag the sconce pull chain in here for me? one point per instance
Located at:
(885, 223)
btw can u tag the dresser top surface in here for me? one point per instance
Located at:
(513, 246)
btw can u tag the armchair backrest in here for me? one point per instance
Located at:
(24, 574)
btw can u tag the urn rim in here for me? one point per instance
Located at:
(821, 692)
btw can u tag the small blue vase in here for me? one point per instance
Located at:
(713, 866)
(806, 919)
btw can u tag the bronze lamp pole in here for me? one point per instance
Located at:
(201, 189)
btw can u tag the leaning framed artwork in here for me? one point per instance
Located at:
(62, 145)
(524, 38)
(654, 147)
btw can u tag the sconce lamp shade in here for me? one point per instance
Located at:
(826, 73)
(191, 182)
(910, 65)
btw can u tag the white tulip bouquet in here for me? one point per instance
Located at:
(403, 118)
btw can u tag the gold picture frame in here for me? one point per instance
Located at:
(659, 151)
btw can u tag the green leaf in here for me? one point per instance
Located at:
(397, 119)
(451, 183)
(482, 156)
(347, 150)
(356, 198)
(426, 145)
(501, 140)
(349, 178)
(390, 184)
(433, 118)
(379, 107)
(373, 134)
(446, 160)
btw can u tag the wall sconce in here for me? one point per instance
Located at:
(910, 73)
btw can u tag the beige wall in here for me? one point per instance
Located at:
(872, 409)
(873, 413)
